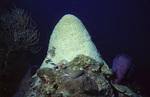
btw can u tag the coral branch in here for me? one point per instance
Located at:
(19, 30)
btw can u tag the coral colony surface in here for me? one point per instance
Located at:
(74, 68)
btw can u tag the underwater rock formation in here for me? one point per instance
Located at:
(76, 87)
(73, 67)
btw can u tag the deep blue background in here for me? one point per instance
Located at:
(116, 26)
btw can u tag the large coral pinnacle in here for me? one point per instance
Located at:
(70, 38)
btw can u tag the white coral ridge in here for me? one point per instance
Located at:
(70, 38)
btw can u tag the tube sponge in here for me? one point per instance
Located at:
(69, 39)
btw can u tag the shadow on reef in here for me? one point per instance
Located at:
(18, 43)
(17, 65)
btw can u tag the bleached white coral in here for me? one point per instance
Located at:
(70, 38)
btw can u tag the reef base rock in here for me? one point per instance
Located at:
(71, 49)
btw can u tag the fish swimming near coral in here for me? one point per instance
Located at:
(122, 65)
(74, 74)
(53, 64)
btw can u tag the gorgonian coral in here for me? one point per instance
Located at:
(19, 30)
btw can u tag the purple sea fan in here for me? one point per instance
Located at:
(122, 65)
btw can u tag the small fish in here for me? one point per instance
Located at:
(53, 64)
(74, 74)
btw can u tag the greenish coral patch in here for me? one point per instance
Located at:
(84, 62)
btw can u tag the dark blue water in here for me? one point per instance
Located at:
(121, 26)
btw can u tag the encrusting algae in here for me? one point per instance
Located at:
(73, 82)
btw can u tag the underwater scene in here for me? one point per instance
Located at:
(74, 48)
